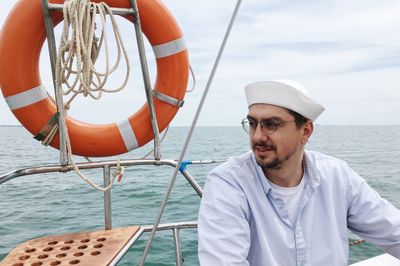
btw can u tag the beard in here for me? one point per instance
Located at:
(274, 163)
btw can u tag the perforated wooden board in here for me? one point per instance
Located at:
(86, 248)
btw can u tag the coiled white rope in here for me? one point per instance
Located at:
(79, 49)
(83, 49)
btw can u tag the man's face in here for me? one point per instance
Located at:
(285, 145)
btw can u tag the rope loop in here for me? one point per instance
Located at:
(356, 242)
(119, 171)
(75, 66)
(80, 48)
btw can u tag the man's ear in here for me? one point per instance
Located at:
(308, 129)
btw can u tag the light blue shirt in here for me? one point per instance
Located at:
(242, 222)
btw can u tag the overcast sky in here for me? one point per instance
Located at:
(345, 52)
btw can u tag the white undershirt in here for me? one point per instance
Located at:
(290, 196)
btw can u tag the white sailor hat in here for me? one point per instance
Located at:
(284, 93)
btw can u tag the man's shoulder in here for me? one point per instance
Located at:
(328, 168)
(238, 172)
(236, 169)
(235, 163)
(317, 158)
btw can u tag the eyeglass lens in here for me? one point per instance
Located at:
(268, 126)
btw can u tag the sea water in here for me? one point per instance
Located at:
(46, 204)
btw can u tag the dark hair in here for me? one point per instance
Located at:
(300, 120)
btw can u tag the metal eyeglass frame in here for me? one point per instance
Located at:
(265, 128)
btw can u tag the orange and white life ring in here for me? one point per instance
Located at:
(21, 42)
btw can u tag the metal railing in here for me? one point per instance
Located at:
(106, 166)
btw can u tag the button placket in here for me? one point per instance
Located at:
(301, 255)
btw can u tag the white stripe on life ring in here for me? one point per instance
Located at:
(128, 135)
(26, 98)
(169, 48)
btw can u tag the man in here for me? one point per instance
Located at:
(281, 205)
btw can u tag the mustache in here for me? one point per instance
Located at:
(264, 145)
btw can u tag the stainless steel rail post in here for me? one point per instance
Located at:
(193, 182)
(107, 199)
(51, 43)
(146, 80)
(177, 241)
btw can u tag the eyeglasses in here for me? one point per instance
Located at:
(268, 126)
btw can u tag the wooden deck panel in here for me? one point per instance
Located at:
(86, 248)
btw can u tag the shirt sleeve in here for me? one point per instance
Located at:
(223, 231)
(372, 217)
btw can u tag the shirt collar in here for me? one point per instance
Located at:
(260, 174)
(312, 172)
